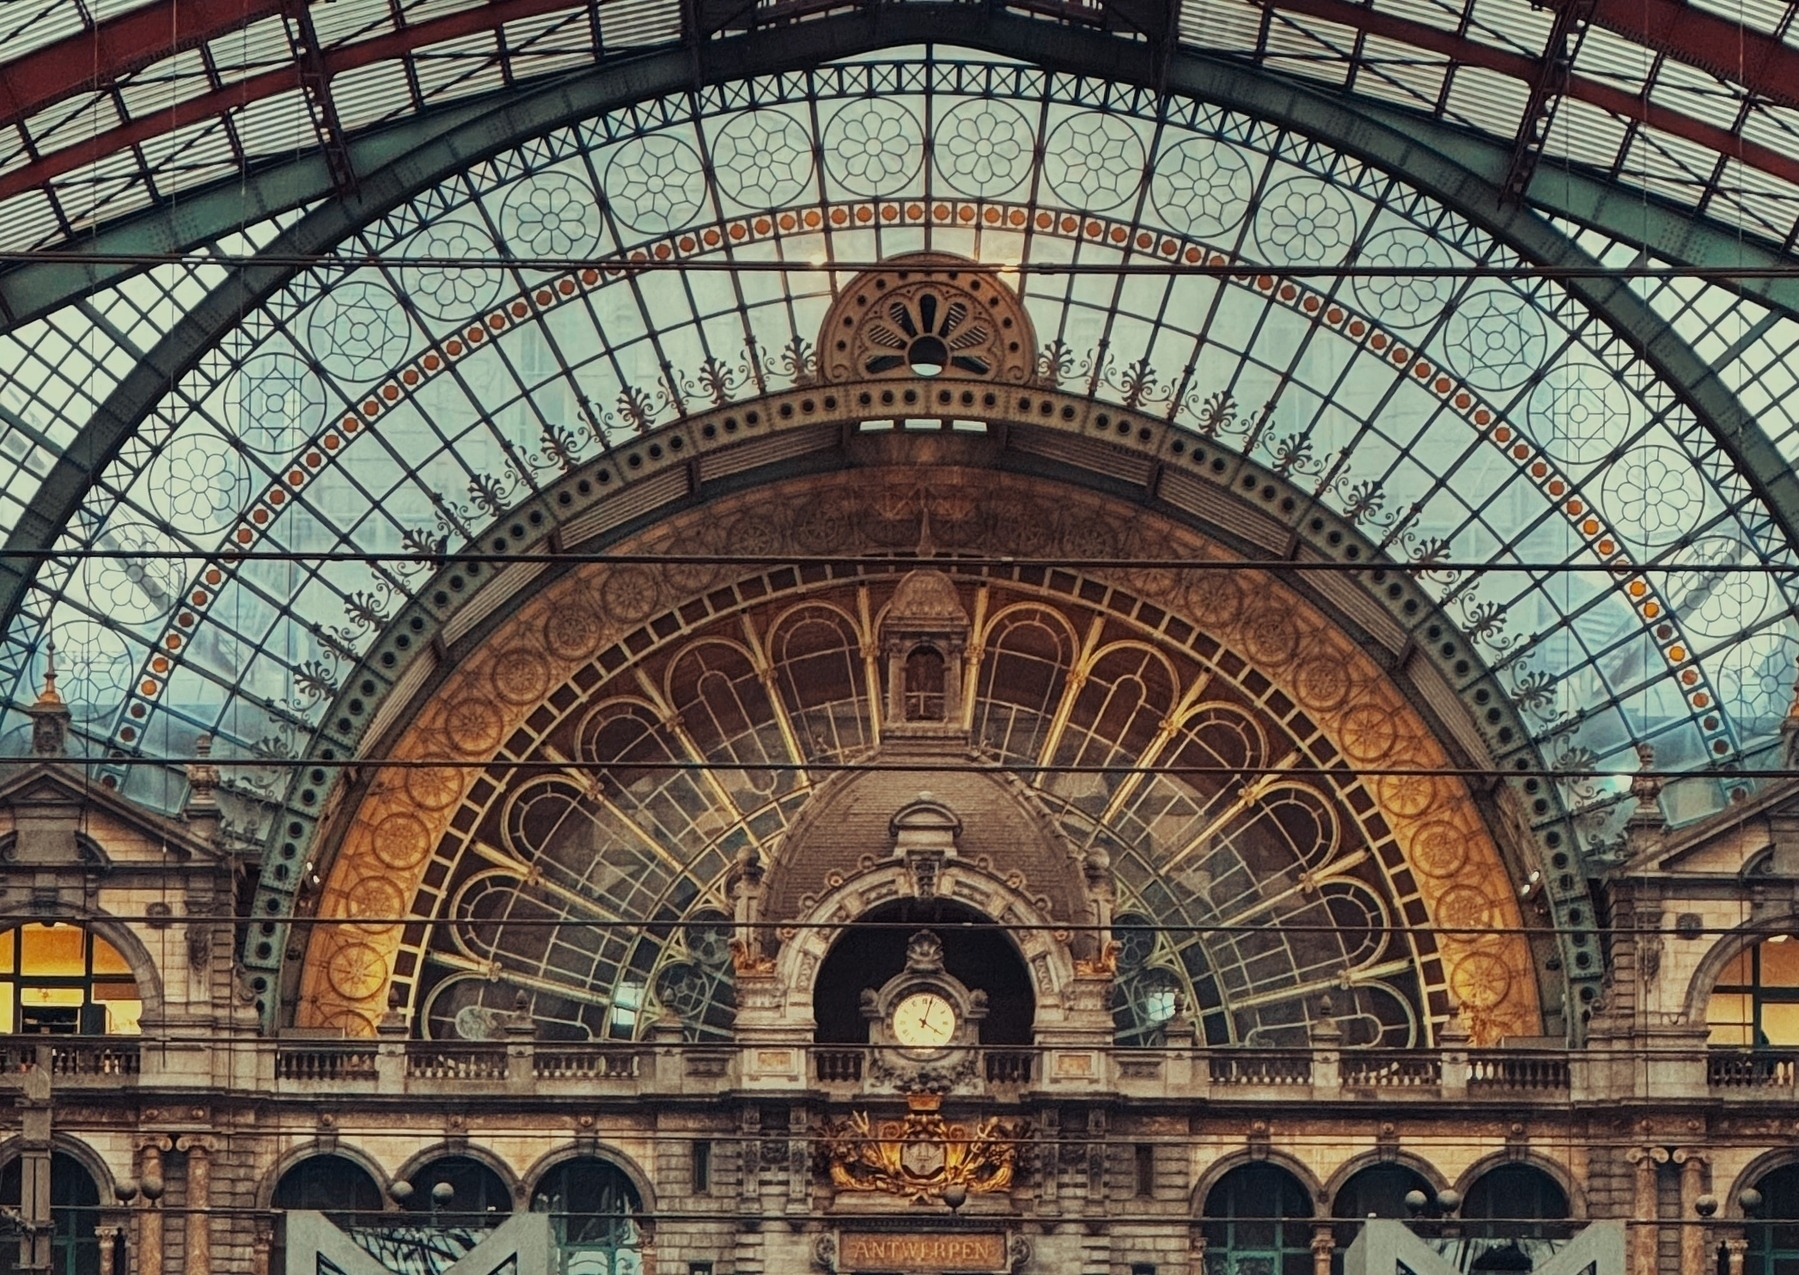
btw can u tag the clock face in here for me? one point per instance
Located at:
(924, 1020)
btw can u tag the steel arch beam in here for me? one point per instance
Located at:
(100, 56)
(1669, 231)
(1258, 94)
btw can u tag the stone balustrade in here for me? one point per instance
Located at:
(524, 1066)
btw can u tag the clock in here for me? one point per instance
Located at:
(924, 1020)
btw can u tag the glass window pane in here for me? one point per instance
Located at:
(6, 942)
(6, 1023)
(51, 996)
(1780, 1025)
(1739, 972)
(1780, 963)
(122, 1017)
(107, 959)
(52, 952)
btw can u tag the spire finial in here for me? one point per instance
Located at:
(49, 694)
(1789, 729)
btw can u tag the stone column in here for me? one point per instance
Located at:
(36, 1226)
(1692, 1163)
(1196, 1256)
(107, 1235)
(1323, 1245)
(149, 1218)
(197, 1255)
(1645, 1216)
(1735, 1250)
(263, 1241)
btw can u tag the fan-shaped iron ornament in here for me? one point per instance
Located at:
(927, 314)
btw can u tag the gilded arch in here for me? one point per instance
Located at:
(1422, 822)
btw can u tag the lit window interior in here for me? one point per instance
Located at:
(64, 980)
(1755, 1003)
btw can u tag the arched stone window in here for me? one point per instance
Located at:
(924, 684)
(74, 1213)
(478, 1196)
(1258, 1219)
(1377, 1191)
(595, 1213)
(1505, 1215)
(1755, 1002)
(64, 979)
(331, 1184)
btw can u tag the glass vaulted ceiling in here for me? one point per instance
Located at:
(1450, 418)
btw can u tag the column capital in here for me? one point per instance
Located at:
(202, 1143)
(1691, 1155)
(1655, 1155)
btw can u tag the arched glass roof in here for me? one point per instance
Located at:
(1498, 418)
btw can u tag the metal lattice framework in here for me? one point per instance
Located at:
(356, 403)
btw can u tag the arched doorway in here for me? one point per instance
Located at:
(1377, 1191)
(74, 1215)
(975, 951)
(331, 1184)
(595, 1213)
(1773, 1234)
(477, 1197)
(1509, 1217)
(1258, 1219)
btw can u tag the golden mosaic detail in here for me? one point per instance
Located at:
(387, 843)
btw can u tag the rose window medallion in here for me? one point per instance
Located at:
(926, 314)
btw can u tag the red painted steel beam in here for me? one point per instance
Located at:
(1517, 66)
(97, 57)
(232, 97)
(1729, 50)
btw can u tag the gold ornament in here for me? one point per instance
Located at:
(922, 1155)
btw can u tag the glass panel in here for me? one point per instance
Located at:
(6, 946)
(51, 996)
(50, 952)
(1740, 972)
(1780, 963)
(122, 1016)
(107, 959)
(6, 1023)
(1780, 1025)
(1728, 1016)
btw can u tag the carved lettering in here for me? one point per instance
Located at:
(865, 1251)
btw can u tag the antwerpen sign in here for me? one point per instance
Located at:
(922, 1251)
